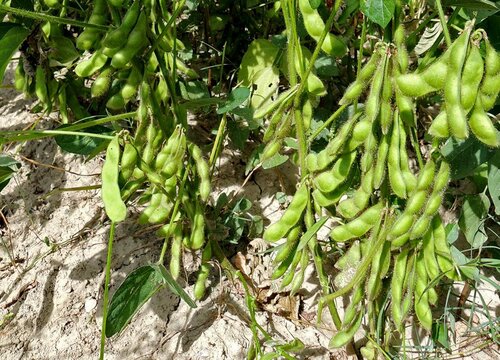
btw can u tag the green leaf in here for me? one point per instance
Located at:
(194, 90)
(315, 3)
(378, 11)
(494, 181)
(260, 55)
(173, 285)
(313, 230)
(326, 66)
(465, 156)
(274, 161)
(237, 97)
(82, 145)
(11, 37)
(440, 334)
(464, 264)
(137, 288)
(238, 133)
(8, 166)
(471, 222)
(472, 4)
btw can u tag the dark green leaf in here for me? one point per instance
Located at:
(8, 166)
(83, 145)
(242, 205)
(173, 285)
(440, 334)
(472, 4)
(315, 3)
(326, 66)
(194, 90)
(313, 230)
(471, 222)
(11, 37)
(238, 133)
(237, 97)
(138, 287)
(378, 11)
(465, 156)
(470, 271)
(494, 181)
(275, 161)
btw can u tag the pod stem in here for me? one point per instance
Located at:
(446, 32)
(106, 289)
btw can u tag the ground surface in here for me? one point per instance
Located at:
(53, 256)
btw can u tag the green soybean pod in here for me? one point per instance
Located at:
(41, 89)
(372, 104)
(456, 115)
(439, 127)
(367, 71)
(422, 308)
(370, 148)
(471, 77)
(386, 97)
(110, 190)
(328, 199)
(132, 84)
(128, 161)
(202, 170)
(102, 83)
(420, 227)
(176, 252)
(290, 274)
(396, 179)
(408, 177)
(115, 3)
(337, 143)
(292, 259)
(91, 65)
(490, 86)
(289, 246)
(380, 165)
(442, 250)
(401, 225)
(201, 280)
(298, 279)
(314, 25)
(435, 74)
(349, 208)
(89, 37)
(118, 37)
(357, 227)
(397, 284)
(352, 309)
(154, 203)
(413, 85)
(20, 76)
(329, 180)
(135, 42)
(344, 336)
(197, 238)
(482, 126)
(431, 265)
(426, 176)
(293, 214)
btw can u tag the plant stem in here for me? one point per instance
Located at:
(106, 289)
(52, 19)
(447, 36)
(333, 117)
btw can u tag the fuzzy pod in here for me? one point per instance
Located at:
(381, 165)
(442, 249)
(396, 178)
(426, 176)
(472, 75)
(110, 190)
(372, 104)
(357, 227)
(329, 180)
(118, 37)
(482, 126)
(413, 85)
(349, 208)
(314, 25)
(290, 218)
(439, 127)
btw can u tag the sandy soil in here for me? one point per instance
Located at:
(53, 255)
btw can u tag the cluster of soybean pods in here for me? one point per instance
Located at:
(385, 212)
